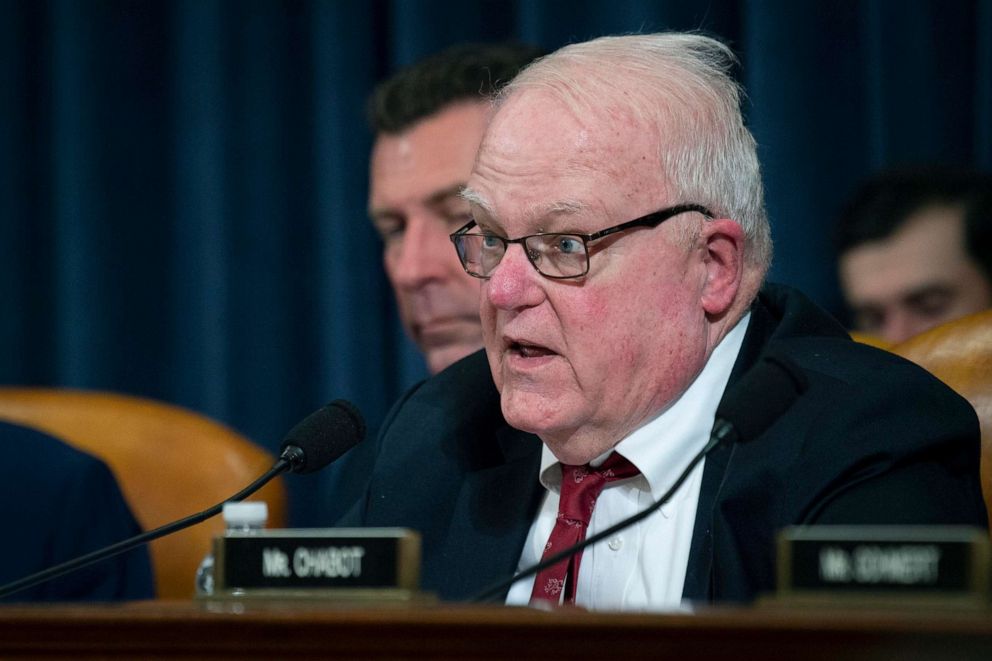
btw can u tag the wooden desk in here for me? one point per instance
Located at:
(163, 630)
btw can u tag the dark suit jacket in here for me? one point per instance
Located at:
(875, 439)
(57, 503)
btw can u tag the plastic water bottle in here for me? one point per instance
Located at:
(239, 517)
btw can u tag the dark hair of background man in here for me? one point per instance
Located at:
(883, 203)
(463, 72)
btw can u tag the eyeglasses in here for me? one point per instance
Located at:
(554, 255)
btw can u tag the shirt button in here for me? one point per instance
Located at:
(616, 544)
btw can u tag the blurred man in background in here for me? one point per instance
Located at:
(915, 250)
(428, 121)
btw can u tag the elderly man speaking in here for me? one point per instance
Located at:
(620, 235)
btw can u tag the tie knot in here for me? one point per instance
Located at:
(581, 486)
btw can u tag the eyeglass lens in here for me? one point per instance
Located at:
(554, 255)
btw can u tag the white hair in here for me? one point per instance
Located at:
(678, 86)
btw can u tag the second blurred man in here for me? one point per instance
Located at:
(429, 120)
(915, 250)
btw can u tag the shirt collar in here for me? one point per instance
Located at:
(661, 447)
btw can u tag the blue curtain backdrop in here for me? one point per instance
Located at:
(183, 184)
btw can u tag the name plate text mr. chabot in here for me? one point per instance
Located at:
(349, 558)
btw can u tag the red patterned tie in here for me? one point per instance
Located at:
(580, 487)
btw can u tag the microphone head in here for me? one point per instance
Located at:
(323, 436)
(762, 395)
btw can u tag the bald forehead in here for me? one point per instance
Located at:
(541, 163)
(531, 122)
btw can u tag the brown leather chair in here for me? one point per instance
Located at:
(170, 463)
(959, 353)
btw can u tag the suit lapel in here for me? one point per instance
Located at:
(778, 313)
(699, 571)
(492, 517)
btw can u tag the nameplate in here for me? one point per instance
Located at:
(358, 561)
(891, 561)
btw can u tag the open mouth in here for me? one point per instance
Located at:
(526, 350)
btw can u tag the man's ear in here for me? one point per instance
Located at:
(722, 242)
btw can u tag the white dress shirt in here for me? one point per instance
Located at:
(643, 566)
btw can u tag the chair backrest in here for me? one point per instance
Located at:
(170, 463)
(959, 353)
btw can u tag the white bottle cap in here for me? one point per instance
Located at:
(246, 514)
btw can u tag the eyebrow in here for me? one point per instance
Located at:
(444, 194)
(557, 208)
(562, 207)
(472, 196)
(917, 295)
(434, 199)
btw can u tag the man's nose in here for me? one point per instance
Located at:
(514, 283)
(421, 255)
(901, 325)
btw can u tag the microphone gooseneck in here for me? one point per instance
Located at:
(319, 439)
(762, 395)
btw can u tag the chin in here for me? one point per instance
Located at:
(532, 412)
(441, 358)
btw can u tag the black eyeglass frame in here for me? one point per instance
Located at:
(651, 220)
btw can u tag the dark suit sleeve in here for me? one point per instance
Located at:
(96, 515)
(875, 440)
(348, 485)
(59, 503)
(903, 449)
(345, 483)
(933, 488)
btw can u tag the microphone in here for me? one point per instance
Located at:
(316, 441)
(762, 395)
(322, 437)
